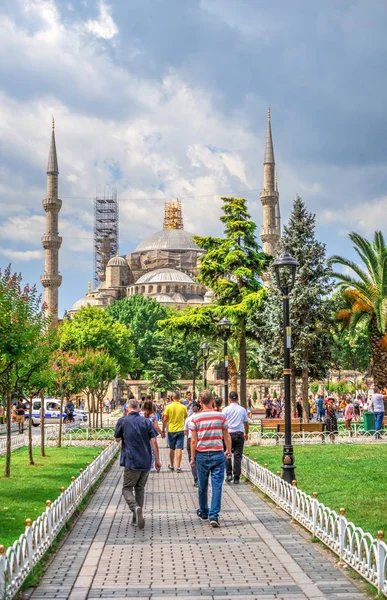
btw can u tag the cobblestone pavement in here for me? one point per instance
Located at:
(256, 554)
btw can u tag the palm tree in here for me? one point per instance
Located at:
(366, 297)
(216, 357)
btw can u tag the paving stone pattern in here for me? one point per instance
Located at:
(256, 554)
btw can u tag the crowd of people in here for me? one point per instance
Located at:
(214, 437)
(329, 409)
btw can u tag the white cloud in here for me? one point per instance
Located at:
(22, 255)
(366, 218)
(104, 27)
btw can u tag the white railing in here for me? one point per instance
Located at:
(19, 559)
(273, 438)
(355, 547)
(3, 428)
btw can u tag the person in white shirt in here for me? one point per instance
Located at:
(238, 426)
(377, 405)
(188, 433)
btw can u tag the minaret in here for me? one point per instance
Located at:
(271, 229)
(51, 241)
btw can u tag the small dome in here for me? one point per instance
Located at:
(84, 301)
(168, 239)
(209, 297)
(179, 298)
(162, 298)
(117, 261)
(165, 276)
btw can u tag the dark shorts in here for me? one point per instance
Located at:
(176, 440)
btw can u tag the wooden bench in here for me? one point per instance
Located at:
(271, 424)
(306, 427)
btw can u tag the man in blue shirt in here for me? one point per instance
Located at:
(137, 436)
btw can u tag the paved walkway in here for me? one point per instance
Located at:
(255, 554)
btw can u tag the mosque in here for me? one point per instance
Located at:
(164, 265)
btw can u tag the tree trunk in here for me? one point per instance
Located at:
(305, 391)
(243, 367)
(42, 426)
(30, 454)
(293, 387)
(379, 355)
(233, 374)
(60, 423)
(93, 409)
(7, 469)
(101, 411)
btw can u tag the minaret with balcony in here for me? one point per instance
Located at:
(51, 240)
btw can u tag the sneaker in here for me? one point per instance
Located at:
(229, 478)
(236, 480)
(139, 518)
(171, 468)
(179, 470)
(214, 522)
(201, 516)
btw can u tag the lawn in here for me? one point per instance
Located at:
(25, 493)
(353, 477)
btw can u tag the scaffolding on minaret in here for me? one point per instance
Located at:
(105, 232)
(173, 218)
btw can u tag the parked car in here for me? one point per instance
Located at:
(52, 412)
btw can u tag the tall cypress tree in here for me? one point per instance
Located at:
(310, 307)
(231, 267)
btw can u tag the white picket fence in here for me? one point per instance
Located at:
(360, 550)
(18, 560)
(258, 438)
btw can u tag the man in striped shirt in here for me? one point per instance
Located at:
(209, 430)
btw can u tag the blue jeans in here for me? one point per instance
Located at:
(379, 416)
(210, 463)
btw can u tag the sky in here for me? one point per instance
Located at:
(168, 98)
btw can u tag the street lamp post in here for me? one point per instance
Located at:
(194, 363)
(205, 348)
(225, 331)
(285, 267)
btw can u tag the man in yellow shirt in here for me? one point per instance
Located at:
(175, 415)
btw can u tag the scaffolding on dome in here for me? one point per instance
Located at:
(173, 218)
(105, 232)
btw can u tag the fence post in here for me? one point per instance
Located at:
(314, 513)
(3, 573)
(28, 534)
(278, 484)
(342, 522)
(381, 557)
(265, 485)
(294, 499)
(49, 518)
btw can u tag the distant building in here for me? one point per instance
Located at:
(163, 267)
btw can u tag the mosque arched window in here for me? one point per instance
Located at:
(168, 289)
(142, 289)
(159, 289)
(136, 290)
(150, 289)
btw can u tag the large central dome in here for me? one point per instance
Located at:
(168, 239)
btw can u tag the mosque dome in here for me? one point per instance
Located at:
(162, 298)
(165, 276)
(168, 239)
(117, 261)
(84, 301)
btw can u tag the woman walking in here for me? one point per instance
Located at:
(149, 412)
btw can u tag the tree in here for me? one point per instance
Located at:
(163, 374)
(217, 354)
(231, 267)
(366, 295)
(22, 322)
(100, 370)
(140, 315)
(310, 307)
(94, 328)
(69, 375)
(35, 377)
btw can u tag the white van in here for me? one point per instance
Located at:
(52, 412)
